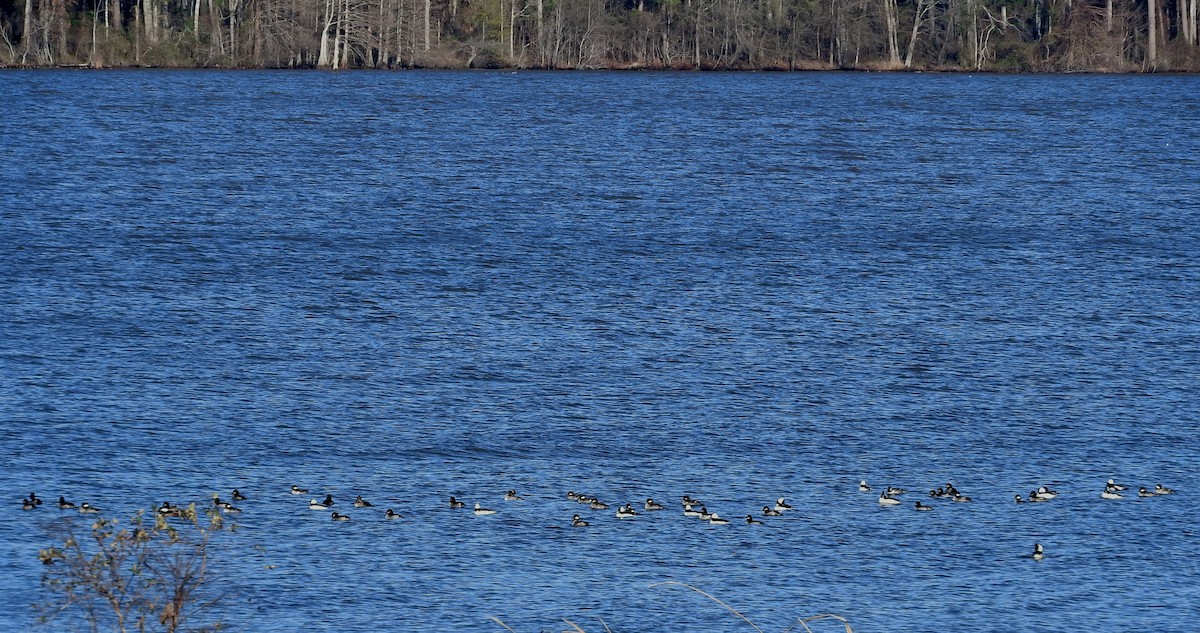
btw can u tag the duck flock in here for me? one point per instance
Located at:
(691, 508)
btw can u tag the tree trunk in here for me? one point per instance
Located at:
(428, 11)
(1152, 46)
(114, 14)
(890, 17)
(27, 32)
(324, 59)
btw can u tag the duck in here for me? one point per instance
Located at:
(597, 504)
(1109, 494)
(313, 504)
(705, 514)
(359, 502)
(862, 486)
(578, 522)
(689, 511)
(572, 495)
(782, 505)
(1142, 492)
(63, 504)
(885, 500)
(1046, 493)
(229, 509)
(34, 500)
(480, 510)
(218, 503)
(688, 501)
(1116, 486)
(1034, 497)
(750, 520)
(1038, 553)
(167, 510)
(626, 512)
(88, 509)
(27, 504)
(328, 500)
(392, 515)
(238, 496)
(768, 511)
(1160, 489)
(961, 499)
(922, 507)
(651, 505)
(455, 503)
(339, 517)
(297, 490)
(512, 495)
(1019, 499)
(716, 520)
(891, 492)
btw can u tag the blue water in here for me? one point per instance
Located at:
(408, 286)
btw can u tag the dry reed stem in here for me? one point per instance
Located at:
(710, 597)
(825, 616)
(497, 621)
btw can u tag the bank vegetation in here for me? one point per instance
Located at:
(962, 35)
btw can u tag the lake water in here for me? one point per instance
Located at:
(738, 287)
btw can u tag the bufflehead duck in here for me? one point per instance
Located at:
(238, 496)
(716, 520)
(885, 500)
(339, 517)
(63, 504)
(359, 502)
(1109, 494)
(922, 507)
(480, 510)
(88, 509)
(597, 504)
(962, 498)
(578, 522)
(223, 505)
(768, 511)
(626, 512)
(168, 510)
(1116, 486)
(391, 515)
(1160, 489)
(689, 511)
(863, 487)
(891, 492)
(1037, 551)
(1019, 499)
(782, 505)
(297, 490)
(1046, 493)
(313, 504)
(572, 495)
(688, 501)
(27, 504)
(455, 503)
(750, 520)
(705, 514)
(651, 505)
(512, 495)
(1142, 492)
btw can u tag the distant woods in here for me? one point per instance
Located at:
(973, 35)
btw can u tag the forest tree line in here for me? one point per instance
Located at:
(999, 35)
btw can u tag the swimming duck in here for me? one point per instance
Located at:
(63, 504)
(27, 504)
(688, 501)
(922, 507)
(1109, 494)
(1160, 489)
(572, 496)
(480, 510)
(1033, 497)
(218, 503)
(359, 502)
(578, 522)
(885, 500)
(862, 486)
(1115, 486)
(34, 500)
(689, 511)
(891, 492)
(961, 498)
(313, 504)
(1046, 493)
(339, 517)
(391, 515)
(455, 503)
(597, 504)
(1142, 492)
(716, 520)
(512, 495)
(651, 505)
(297, 490)
(168, 510)
(1038, 553)
(768, 511)
(626, 512)
(750, 520)
(705, 514)
(238, 496)
(782, 505)
(328, 500)
(88, 509)
(1019, 499)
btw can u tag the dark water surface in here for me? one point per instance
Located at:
(733, 286)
